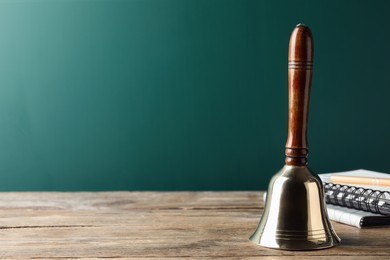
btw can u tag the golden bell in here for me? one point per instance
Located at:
(295, 216)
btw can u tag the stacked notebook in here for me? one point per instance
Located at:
(360, 198)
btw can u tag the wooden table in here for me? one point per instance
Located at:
(154, 225)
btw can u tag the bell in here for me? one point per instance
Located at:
(295, 216)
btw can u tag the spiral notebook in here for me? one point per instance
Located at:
(358, 205)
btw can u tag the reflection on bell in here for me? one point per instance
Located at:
(295, 216)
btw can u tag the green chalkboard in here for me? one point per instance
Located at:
(184, 94)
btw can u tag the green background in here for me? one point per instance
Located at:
(184, 94)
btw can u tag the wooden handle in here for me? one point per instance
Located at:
(300, 61)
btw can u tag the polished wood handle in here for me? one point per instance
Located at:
(300, 62)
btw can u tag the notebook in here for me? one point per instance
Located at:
(356, 218)
(326, 177)
(357, 205)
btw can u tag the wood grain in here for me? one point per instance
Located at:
(154, 225)
(300, 61)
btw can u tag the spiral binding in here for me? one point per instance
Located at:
(358, 198)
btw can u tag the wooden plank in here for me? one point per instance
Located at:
(153, 225)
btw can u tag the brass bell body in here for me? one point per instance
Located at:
(295, 216)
